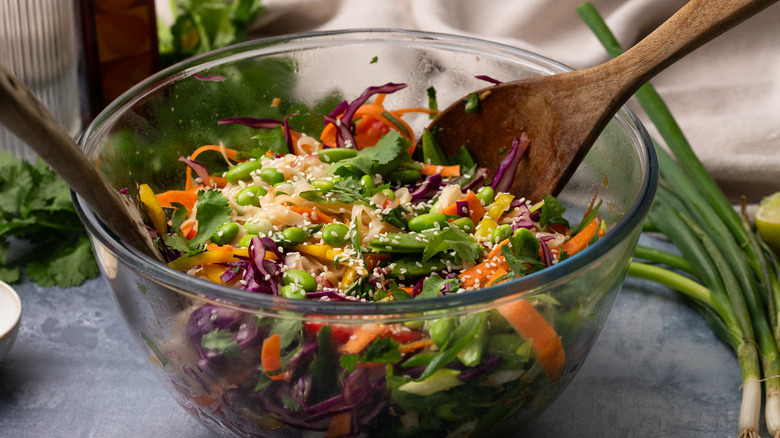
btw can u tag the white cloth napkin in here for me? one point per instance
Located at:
(725, 95)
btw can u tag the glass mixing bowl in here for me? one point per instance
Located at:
(139, 138)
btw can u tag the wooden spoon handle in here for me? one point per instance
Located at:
(695, 24)
(23, 114)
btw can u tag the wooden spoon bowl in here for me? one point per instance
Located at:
(564, 114)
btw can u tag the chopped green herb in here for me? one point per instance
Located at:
(213, 211)
(472, 103)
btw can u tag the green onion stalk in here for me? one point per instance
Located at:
(731, 278)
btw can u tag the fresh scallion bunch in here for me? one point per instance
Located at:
(725, 271)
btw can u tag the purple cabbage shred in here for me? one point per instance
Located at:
(344, 136)
(198, 168)
(487, 78)
(212, 78)
(251, 122)
(505, 175)
(428, 187)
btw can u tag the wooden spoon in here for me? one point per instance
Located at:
(564, 114)
(24, 115)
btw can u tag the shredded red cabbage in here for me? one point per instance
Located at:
(332, 294)
(198, 168)
(462, 208)
(213, 78)
(487, 78)
(472, 373)
(429, 186)
(260, 274)
(502, 180)
(547, 257)
(287, 132)
(524, 219)
(344, 137)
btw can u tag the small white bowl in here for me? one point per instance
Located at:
(10, 318)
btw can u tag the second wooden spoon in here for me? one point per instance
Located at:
(564, 114)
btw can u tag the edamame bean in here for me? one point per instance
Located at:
(427, 221)
(501, 233)
(271, 175)
(300, 278)
(404, 176)
(250, 196)
(292, 291)
(486, 195)
(367, 182)
(389, 193)
(332, 155)
(245, 241)
(464, 223)
(258, 225)
(225, 233)
(335, 234)
(294, 234)
(322, 184)
(242, 171)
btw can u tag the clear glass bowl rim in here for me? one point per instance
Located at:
(532, 284)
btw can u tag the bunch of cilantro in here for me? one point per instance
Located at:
(39, 228)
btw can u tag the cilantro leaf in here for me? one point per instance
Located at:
(385, 151)
(552, 209)
(453, 238)
(522, 253)
(65, 267)
(213, 211)
(345, 190)
(349, 361)
(381, 350)
(222, 341)
(433, 285)
(396, 217)
(270, 140)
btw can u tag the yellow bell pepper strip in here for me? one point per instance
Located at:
(485, 228)
(320, 251)
(350, 276)
(213, 255)
(500, 205)
(153, 208)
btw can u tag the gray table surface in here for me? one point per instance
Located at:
(656, 371)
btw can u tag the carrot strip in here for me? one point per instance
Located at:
(580, 241)
(271, 358)
(432, 169)
(476, 209)
(496, 250)
(340, 425)
(416, 345)
(545, 342)
(361, 337)
(183, 197)
(315, 216)
(479, 274)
